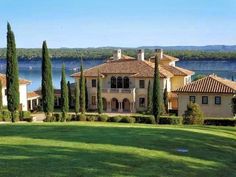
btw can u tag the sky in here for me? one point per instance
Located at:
(123, 23)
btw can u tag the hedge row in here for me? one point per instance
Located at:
(220, 121)
(145, 119)
(5, 116)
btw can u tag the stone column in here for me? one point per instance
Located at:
(31, 104)
(120, 107)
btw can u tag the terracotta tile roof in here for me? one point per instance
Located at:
(33, 94)
(209, 84)
(21, 81)
(165, 57)
(37, 93)
(177, 71)
(136, 68)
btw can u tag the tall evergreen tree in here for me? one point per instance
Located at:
(77, 98)
(12, 75)
(47, 86)
(82, 89)
(149, 98)
(64, 94)
(165, 99)
(0, 95)
(86, 95)
(70, 97)
(156, 97)
(99, 95)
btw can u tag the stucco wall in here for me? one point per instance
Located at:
(210, 109)
(23, 97)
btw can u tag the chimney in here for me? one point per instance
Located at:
(117, 54)
(140, 55)
(159, 53)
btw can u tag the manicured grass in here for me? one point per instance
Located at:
(109, 149)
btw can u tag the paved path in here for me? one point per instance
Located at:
(39, 117)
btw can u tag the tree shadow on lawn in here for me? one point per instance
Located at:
(203, 146)
(45, 161)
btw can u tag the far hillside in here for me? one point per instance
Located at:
(217, 52)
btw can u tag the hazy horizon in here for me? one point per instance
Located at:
(123, 23)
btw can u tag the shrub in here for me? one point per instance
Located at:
(103, 118)
(24, 114)
(220, 121)
(28, 119)
(193, 115)
(127, 119)
(73, 117)
(56, 117)
(6, 115)
(171, 120)
(82, 117)
(68, 117)
(92, 117)
(146, 119)
(114, 119)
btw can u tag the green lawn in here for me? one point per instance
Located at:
(110, 149)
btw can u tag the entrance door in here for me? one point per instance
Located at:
(126, 105)
(114, 105)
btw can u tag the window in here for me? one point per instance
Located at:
(93, 100)
(204, 99)
(218, 100)
(142, 102)
(113, 82)
(192, 99)
(94, 83)
(119, 82)
(126, 82)
(141, 83)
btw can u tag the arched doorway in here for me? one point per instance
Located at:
(126, 105)
(104, 104)
(114, 105)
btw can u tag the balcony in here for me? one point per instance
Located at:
(122, 90)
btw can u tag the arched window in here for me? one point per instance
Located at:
(126, 82)
(119, 82)
(113, 82)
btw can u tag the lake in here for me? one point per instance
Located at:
(31, 69)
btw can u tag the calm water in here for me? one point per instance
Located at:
(31, 70)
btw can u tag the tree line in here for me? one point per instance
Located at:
(104, 53)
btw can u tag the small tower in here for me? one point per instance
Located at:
(117, 54)
(140, 54)
(159, 53)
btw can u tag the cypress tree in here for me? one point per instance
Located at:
(149, 98)
(99, 95)
(69, 94)
(77, 98)
(64, 94)
(0, 95)
(165, 99)
(12, 73)
(82, 89)
(156, 97)
(86, 95)
(47, 87)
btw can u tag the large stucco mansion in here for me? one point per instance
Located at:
(125, 81)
